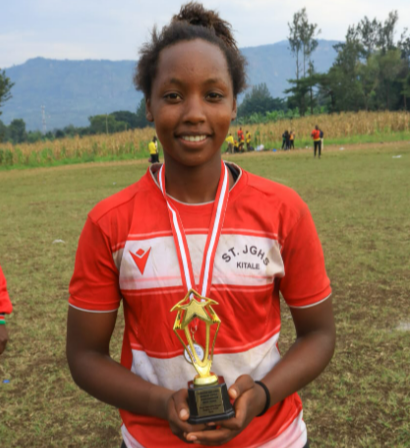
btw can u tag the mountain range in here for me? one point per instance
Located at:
(71, 91)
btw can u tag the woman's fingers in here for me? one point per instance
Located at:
(181, 404)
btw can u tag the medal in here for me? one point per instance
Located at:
(199, 352)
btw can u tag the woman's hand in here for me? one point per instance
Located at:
(4, 337)
(249, 399)
(178, 414)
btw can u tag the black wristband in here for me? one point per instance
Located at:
(267, 393)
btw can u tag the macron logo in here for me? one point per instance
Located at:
(140, 257)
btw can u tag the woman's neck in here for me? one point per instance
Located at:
(193, 185)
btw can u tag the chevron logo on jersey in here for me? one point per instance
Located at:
(141, 257)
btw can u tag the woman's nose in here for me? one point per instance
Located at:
(194, 111)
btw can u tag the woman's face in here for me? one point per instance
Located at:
(191, 102)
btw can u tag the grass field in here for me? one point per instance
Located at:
(360, 200)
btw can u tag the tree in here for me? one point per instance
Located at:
(369, 32)
(259, 101)
(387, 32)
(405, 91)
(5, 87)
(301, 93)
(126, 117)
(343, 76)
(309, 44)
(17, 131)
(294, 38)
(390, 65)
(302, 43)
(302, 40)
(3, 131)
(141, 119)
(105, 124)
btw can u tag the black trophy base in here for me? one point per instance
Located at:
(209, 403)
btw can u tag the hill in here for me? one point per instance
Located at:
(71, 91)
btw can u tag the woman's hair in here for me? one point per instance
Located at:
(192, 22)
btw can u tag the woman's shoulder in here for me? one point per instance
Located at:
(123, 201)
(275, 192)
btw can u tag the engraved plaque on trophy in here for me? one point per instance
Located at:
(208, 397)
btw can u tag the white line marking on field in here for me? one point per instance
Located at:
(403, 326)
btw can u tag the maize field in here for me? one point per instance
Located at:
(133, 144)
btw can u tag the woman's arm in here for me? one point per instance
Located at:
(310, 353)
(92, 368)
(4, 337)
(304, 361)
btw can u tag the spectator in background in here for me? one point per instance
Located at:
(230, 142)
(285, 140)
(5, 308)
(317, 143)
(241, 137)
(291, 140)
(235, 146)
(153, 150)
(248, 141)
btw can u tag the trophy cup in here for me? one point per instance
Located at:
(208, 397)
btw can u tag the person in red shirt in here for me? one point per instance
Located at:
(5, 308)
(239, 239)
(241, 137)
(317, 142)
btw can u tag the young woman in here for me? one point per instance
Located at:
(264, 242)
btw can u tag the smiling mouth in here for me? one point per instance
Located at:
(193, 138)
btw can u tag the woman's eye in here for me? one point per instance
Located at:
(173, 96)
(214, 96)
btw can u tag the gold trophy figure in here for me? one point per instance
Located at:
(208, 397)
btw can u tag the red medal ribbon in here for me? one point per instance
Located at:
(215, 227)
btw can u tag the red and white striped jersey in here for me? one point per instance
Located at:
(5, 304)
(268, 245)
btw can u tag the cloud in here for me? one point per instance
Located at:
(102, 29)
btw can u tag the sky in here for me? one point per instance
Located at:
(104, 29)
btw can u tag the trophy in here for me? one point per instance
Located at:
(208, 397)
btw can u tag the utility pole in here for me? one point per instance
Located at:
(43, 115)
(106, 123)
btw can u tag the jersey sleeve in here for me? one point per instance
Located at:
(305, 282)
(94, 285)
(5, 304)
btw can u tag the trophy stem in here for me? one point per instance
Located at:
(205, 381)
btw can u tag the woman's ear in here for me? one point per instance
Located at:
(148, 112)
(234, 110)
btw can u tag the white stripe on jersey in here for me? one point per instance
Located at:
(174, 373)
(245, 260)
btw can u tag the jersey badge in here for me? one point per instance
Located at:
(141, 257)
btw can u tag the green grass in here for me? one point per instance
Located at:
(360, 202)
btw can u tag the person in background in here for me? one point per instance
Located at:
(230, 142)
(291, 140)
(248, 140)
(317, 143)
(241, 137)
(285, 140)
(235, 146)
(153, 150)
(5, 308)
